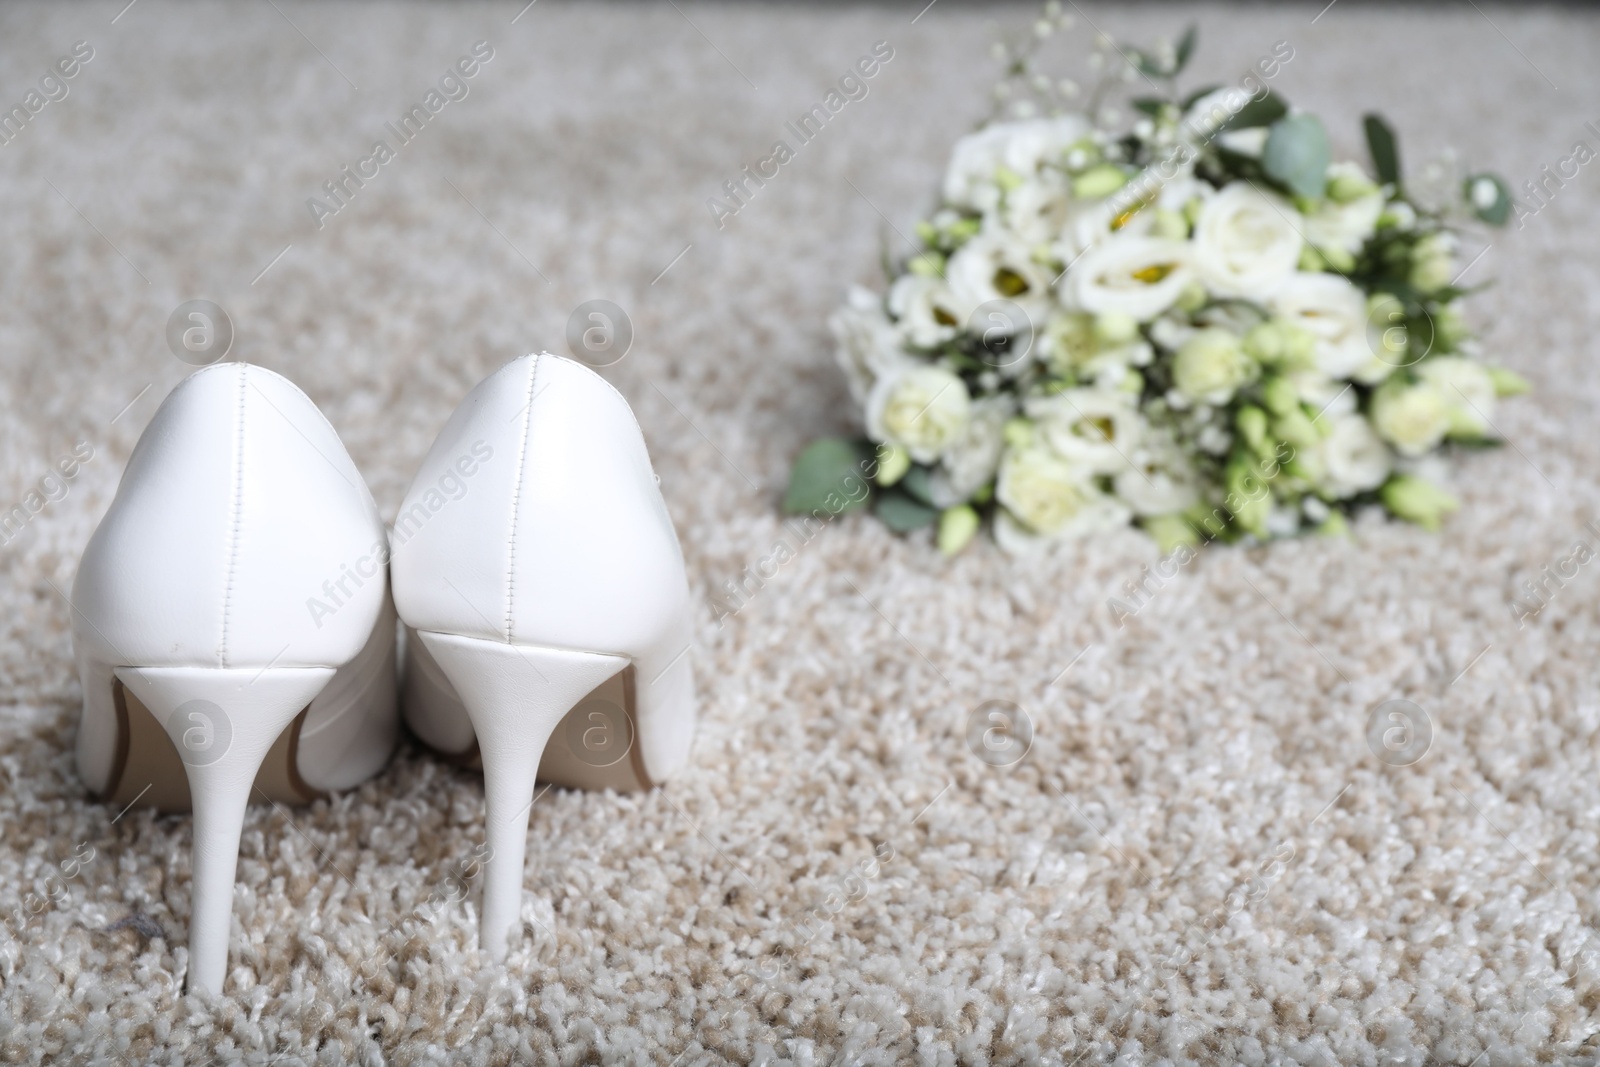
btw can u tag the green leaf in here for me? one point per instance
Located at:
(1385, 153)
(1146, 64)
(1262, 112)
(1496, 210)
(1150, 105)
(1186, 47)
(901, 513)
(1297, 155)
(1189, 101)
(916, 482)
(830, 475)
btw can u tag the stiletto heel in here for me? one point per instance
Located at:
(515, 696)
(231, 617)
(536, 524)
(223, 723)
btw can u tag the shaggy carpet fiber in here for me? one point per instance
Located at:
(1200, 859)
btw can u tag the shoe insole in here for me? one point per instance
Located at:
(148, 769)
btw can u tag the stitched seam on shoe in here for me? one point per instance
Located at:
(516, 496)
(235, 517)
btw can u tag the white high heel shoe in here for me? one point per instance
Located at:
(233, 626)
(548, 617)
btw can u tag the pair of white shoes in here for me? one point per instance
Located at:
(236, 636)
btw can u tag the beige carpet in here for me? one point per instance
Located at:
(1199, 861)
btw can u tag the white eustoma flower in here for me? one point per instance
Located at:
(1245, 242)
(867, 344)
(1161, 479)
(1036, 211)
(1095, 429)
(1351, 459)
(1345, 224)
(924, 310)
(1210, 112)
(994, 266)
(971, 459)
(1414, 417)
(1250, 141)
(1051, 497)
(1334, 312)
(1211, 366)
(1131, 275)
(1327, 396)
(1023, 148)
(920, 407)
(1466, 388)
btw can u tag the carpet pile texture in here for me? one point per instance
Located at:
(1200, 859)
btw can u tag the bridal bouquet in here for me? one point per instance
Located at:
(1193, 320)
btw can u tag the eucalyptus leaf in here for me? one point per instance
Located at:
(901, 513)
(1385, 153)
(830, 475)
(917, 483)
(1495, 211)
(1297, 155)
(1189, 101)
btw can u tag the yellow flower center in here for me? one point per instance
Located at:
(1154, 273)
(1008, 282)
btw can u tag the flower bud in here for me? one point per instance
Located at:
(1193, 297)
(1294, 427)
(1252, 424)
(1508, 383)
(1248, 498)
(1098, 181)
(1018, 432)
(1170, 531)
(1417, 500)
(893, 462)
(1281, 396)
(1347, 185)
(957, 526)
(1449, 328)
(1338, 260)
(1170, 224)
(1115, 328)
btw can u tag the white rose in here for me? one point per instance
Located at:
(1095, 429)
(1245, 243)
(1412, 417)
(1348, 223)
(971, 459)
(1160, 481)
(1352, 458)
(1131, 275)
(924, 310)
(1021, 147)
(867, 345)
(919, 407)
(1053, 497)
(1466, 388)
(1334, 312)
(992, 266)
(1211, 366)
